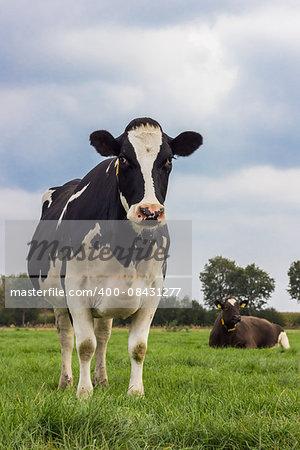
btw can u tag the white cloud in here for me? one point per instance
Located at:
(184, 64)
(249, 216)
(16, 204)
(102, 76)
(274, 23)
(190, 74)
(19, 204)
(265, 185)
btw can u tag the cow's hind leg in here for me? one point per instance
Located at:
(137, 346)
(86, 346)
(66, 337)
(102, 332)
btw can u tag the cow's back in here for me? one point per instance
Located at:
(263, 332)
(55, 199)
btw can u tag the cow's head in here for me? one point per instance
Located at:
(230, 311)
(144, 163)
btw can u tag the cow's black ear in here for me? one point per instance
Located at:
(105, 143)
(219, 304)
(186, 143)
(244, 303)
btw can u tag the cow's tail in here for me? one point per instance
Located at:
(283, 340)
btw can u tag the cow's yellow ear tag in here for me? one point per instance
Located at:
(117, 171)
(243, 305)
(219, 306)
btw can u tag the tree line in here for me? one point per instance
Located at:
(221, 277)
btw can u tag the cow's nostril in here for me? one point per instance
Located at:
(151, 212)
(146, 211)
(159, 212)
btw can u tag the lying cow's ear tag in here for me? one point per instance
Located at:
(242, 305)
(219, 306)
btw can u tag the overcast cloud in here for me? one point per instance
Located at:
(228, 69)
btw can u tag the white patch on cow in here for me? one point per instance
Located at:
(100, 276)
(124, 202)
(73, 197)
(108, 167)
(283, 340)
(232, 301)
(91, 234)
(122, 198)
(53, 281)
(146, 141)
(47, 197)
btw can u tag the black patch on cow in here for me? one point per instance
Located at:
(105, 143)
(186, 143)
(46, 238)
(59, 197)
(143, 121)
(130, 179)
(101, 199)
(161, 169)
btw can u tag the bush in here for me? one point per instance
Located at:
(270, 314)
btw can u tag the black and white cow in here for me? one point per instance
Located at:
(131, 186)
(232, 330)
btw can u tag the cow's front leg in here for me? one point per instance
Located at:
(86, 346)
(66, 337)
(102, 332)
(137, 346)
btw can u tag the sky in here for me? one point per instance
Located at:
(228, 69)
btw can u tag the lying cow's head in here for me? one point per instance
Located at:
(144, 163)
(230, 314)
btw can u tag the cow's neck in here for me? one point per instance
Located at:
(102, 198)
(225, 326)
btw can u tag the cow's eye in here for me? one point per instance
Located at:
(168, 164)
(123, 160)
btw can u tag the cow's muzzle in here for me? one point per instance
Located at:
(236, 319)
(154, 212)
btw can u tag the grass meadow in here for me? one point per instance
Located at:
(195, 397)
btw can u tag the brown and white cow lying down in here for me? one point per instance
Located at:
(232, 330)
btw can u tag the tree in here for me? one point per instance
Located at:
(17, 316)
(256, 286)
(294, 284)
(219, 279)
(183, 312)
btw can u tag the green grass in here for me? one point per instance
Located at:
(196, 397)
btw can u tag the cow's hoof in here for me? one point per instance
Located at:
(65, 382)
(135, 392)
(100, 383)
(83, 393)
